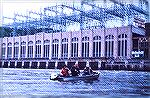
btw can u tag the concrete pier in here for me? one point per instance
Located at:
(131, 65)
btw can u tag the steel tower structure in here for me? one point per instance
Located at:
(83, 15)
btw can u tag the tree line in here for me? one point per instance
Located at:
(5, 31)
(9, 32)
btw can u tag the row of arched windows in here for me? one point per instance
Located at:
(109, 47)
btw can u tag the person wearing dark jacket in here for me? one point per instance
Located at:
(87, 71)
(75, 70)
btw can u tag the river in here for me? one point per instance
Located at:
(35, 83)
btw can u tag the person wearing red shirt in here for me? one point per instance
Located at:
(65, 71)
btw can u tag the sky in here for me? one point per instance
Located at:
(9, 7)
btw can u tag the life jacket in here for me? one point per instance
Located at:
(65, 72)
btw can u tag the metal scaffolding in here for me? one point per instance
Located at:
(55, 18)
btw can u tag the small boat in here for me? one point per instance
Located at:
(93, 76)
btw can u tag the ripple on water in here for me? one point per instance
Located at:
(110, 83)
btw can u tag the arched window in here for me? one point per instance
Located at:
(64, 48)
(109, 46)
(16, 49)
(4, 45)
(3, 50)
(30, 49)
(38, 49)
(122, 45)
(9, 51)
(85, 46)
(55, 48)
(46, 48)
(74, 47)
(23, 49)
(97, 46)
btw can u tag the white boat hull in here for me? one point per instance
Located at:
(76, 78)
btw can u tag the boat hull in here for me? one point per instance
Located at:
(76, 78)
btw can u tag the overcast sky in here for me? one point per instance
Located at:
(9, 7)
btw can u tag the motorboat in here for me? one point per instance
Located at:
(93, 76)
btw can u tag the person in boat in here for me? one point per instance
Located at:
(87, 71)
(65, 71)
(75, 70)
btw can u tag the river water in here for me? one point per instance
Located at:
(35, 83)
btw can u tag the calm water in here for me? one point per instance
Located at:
(35, 83)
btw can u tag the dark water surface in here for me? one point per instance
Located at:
(35, 83)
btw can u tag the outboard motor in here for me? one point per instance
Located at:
(53, 76)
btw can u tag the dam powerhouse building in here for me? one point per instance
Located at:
(92, 31)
